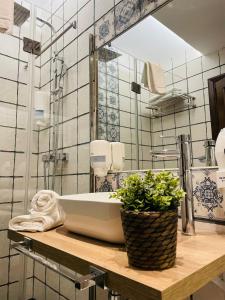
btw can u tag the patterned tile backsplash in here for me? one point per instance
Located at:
(122, 16)
(208, 200)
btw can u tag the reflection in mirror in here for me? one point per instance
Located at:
(170, 57)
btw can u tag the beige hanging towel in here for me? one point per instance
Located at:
(153, 78)
(6, 15)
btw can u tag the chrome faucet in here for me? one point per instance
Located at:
(183, 154)
(209, 158)
(210, 152)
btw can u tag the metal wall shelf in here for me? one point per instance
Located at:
(170, 103)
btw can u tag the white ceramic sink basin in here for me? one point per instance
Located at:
(94, 215)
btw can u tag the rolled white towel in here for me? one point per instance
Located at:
(45, 202)
(45, 214)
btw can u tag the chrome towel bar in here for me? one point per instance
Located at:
(95, 277)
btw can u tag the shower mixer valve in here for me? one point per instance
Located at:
(46, 158)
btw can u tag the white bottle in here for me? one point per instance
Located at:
(41, 105)
(118, 156)
(101, 157)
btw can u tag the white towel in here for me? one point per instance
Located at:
(45, 214)
(153, 78)
(6, 15)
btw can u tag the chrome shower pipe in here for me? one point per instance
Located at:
(72, 25)
(47, 23)
(56, 99)
(187, 208)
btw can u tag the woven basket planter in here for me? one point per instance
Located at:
(151, 238)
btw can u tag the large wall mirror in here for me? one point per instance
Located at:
(182, 46)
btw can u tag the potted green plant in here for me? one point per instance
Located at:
(149, 217)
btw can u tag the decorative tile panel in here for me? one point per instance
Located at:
(107, 183)
(113, 133)
(113, 116)
(127, 13)
(102, 96)
(112, 100)
(147, 6)
(102, 114)
(102, 133)
(112, 68)
(112, 84)
(102, 80)
(104, 29)
(208, 200)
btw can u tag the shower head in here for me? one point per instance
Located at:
(21, 14)
(107, 55)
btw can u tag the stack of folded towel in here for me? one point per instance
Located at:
(45, 214)
(6, 15)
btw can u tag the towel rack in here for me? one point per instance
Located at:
(96, 277)
(173, 103)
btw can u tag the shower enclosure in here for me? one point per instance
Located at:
(32, 156)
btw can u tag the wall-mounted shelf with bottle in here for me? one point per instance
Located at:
(173, 101)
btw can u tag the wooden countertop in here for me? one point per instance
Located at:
(199, 259)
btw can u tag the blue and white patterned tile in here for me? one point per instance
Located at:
(113, 133)
(106, 184)
(112, 68)
(102, 113)
(113, 116)
(112, 84)
(121, 177)
(208, 201)
(104, 29)
(127, 13)
(101, 66)
(102, 96)
(112, 100)
(147, 6)
(102, 133)
(102, 80)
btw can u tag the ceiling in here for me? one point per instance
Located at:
(201, 23)
(151, 40)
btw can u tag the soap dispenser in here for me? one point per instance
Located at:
(220, 158)
(101, 157)
(118, 156)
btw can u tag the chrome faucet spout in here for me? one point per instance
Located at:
(184, 157)
(187, 207)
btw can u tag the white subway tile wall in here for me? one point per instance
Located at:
(193, 79)
(13, 102)
(74, 127)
